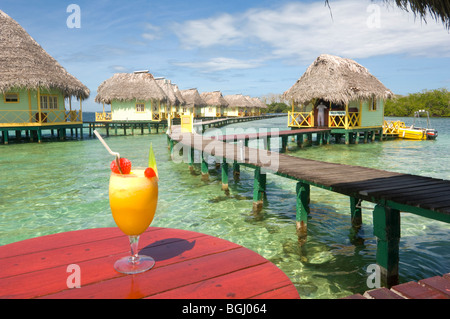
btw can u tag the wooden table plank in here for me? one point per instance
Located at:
(182, 258)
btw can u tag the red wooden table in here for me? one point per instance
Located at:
(189, 265)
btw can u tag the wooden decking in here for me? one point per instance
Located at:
(250, 136)
(437, 287)
(189, 265)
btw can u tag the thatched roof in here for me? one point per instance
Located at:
(192, 98)
(237, 100)
(25, 64)
(337, 80)
(214, 98)
(257, 102)
(178, 94)
(138, 86)
(168, 89)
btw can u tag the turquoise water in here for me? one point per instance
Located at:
(63, 186)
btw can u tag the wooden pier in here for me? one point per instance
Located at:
(391, 192)
(437, 287)
(303, 137)
(127, 127)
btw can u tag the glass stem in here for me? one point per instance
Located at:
(134, 242)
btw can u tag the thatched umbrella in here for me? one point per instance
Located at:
(25, 64)
(192, 98)
(137, 86)
(336, 80)
(214, 98)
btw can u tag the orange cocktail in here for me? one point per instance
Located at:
(133, 198)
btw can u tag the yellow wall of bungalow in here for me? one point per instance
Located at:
(22, 107)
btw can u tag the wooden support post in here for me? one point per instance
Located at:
(191, 159)
(347, 138)
(356, 212)
(5, 137)
(302, 207)
(171, 145)
(284, 141)
(225, 175)
(39, 135)
(259, 189)
(204, 166)
(300, 140)
(386, 226)
(236, 170)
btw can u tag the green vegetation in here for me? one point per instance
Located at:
(437, 102)
(277, 107)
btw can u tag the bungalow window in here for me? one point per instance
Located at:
(11, 98)
(140, 107)
(49, 102)
(373, 104)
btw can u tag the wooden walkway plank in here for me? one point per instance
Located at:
(437, 283)
(412, 290)
(437, 287)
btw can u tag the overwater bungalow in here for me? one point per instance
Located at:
(178, 108)
(238, 105)
(216, 105)
(194, 102)
(174, 101)
(34, 87)
(257, 105)
(341, 92)
(133, 97)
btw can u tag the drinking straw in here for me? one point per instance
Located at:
(117, 155)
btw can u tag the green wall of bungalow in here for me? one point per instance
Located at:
(370, 116)
(151, 110)
(20, 107)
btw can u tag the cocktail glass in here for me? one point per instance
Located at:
(133, 198)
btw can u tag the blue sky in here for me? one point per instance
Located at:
(249, 47)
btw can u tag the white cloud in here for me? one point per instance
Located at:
(302, 31)
(219, 30)
(219, 64)
(152, 32)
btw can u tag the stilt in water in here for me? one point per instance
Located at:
(302, 207)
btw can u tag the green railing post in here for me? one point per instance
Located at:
(204, 166)
(386, 226)
(236, 169)
(191, 155)
(302, 211)
(259, 189)
(224, 175)
(356, 212)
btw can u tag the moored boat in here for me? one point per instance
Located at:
(418, 133)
